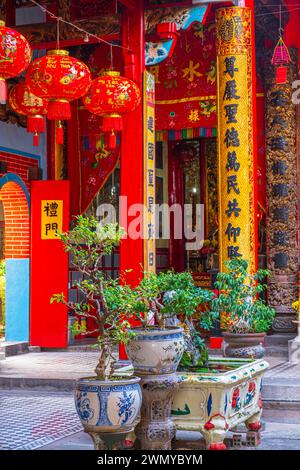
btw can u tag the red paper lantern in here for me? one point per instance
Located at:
(111, 96)
(15, 56)
(60, 79)
(24, 102)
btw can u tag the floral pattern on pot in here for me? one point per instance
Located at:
(83, 407)
(250, 393)
(236, 400)
(156, 351)
(108, 406)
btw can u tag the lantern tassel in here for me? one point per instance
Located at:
(112, 140)
(35, 123)
(59, 134)
(112, 123)
(36, 139)
(3, 91)
(59, 110)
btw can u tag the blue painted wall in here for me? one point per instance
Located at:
(16, 139)
(17, 300)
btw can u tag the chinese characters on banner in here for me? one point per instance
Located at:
(237, 213)
(149, 172)
(52, 219)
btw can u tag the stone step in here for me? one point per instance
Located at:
(279, 339)
(13, 348)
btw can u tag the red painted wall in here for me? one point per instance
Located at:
(49, 270)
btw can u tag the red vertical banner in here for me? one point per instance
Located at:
(49, 263)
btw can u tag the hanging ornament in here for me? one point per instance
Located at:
(111, 96)
(24, 102)
(59, 78)
(15, 56)
(281, 56)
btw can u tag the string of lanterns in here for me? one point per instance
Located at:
(55, 79)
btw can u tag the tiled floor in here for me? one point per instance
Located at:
(30, 420)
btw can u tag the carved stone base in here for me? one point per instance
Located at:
(284, 324)
(108, 441)
(156, 429)
(294, 350)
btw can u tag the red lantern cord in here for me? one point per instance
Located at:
(59, 133)
(3, 91)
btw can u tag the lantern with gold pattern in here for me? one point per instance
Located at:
(24, 102)
(15, 56)
(111, 96)
(60, 79)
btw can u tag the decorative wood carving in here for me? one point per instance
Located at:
(282, 220)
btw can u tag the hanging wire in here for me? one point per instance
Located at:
(280, 21)
(111, 57)
(58, 33)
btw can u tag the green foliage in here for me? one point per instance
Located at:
(104, 300)
(2, 268)
(239, 299)
(171, 295)
(195, 357)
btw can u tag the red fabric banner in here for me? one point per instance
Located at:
(186, 82)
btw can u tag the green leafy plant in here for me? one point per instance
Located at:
(169, 295)
(173, 298)
(2, 268)
(239, 301)
(105, 300)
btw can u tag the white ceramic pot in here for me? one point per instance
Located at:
(108, 406)
(156, 351)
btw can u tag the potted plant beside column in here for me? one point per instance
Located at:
(163, 301)
(244, 315)
(108, 404)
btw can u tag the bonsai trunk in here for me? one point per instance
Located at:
(105, 366)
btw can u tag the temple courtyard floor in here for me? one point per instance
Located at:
(37, 408)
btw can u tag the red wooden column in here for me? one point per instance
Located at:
(131, 251)
(176, 196)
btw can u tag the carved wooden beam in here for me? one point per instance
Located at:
(41, 34)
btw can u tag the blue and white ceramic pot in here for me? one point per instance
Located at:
(156, 351)
(111, 406)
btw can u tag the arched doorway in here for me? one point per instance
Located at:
(15, 251)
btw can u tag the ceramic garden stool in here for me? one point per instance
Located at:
(156, 429)
(214, 402)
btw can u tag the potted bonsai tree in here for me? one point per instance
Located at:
(108, 405)
(165, 305)
(244, 314)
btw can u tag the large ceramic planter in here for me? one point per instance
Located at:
(108, 410)
(213, 402)
(156, 351)
(244, 345)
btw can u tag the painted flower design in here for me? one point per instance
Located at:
(125, 405)
(83, 407)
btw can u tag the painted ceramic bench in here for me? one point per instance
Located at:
(218, 399)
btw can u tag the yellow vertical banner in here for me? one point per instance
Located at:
(149, 172)
(237, 213)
